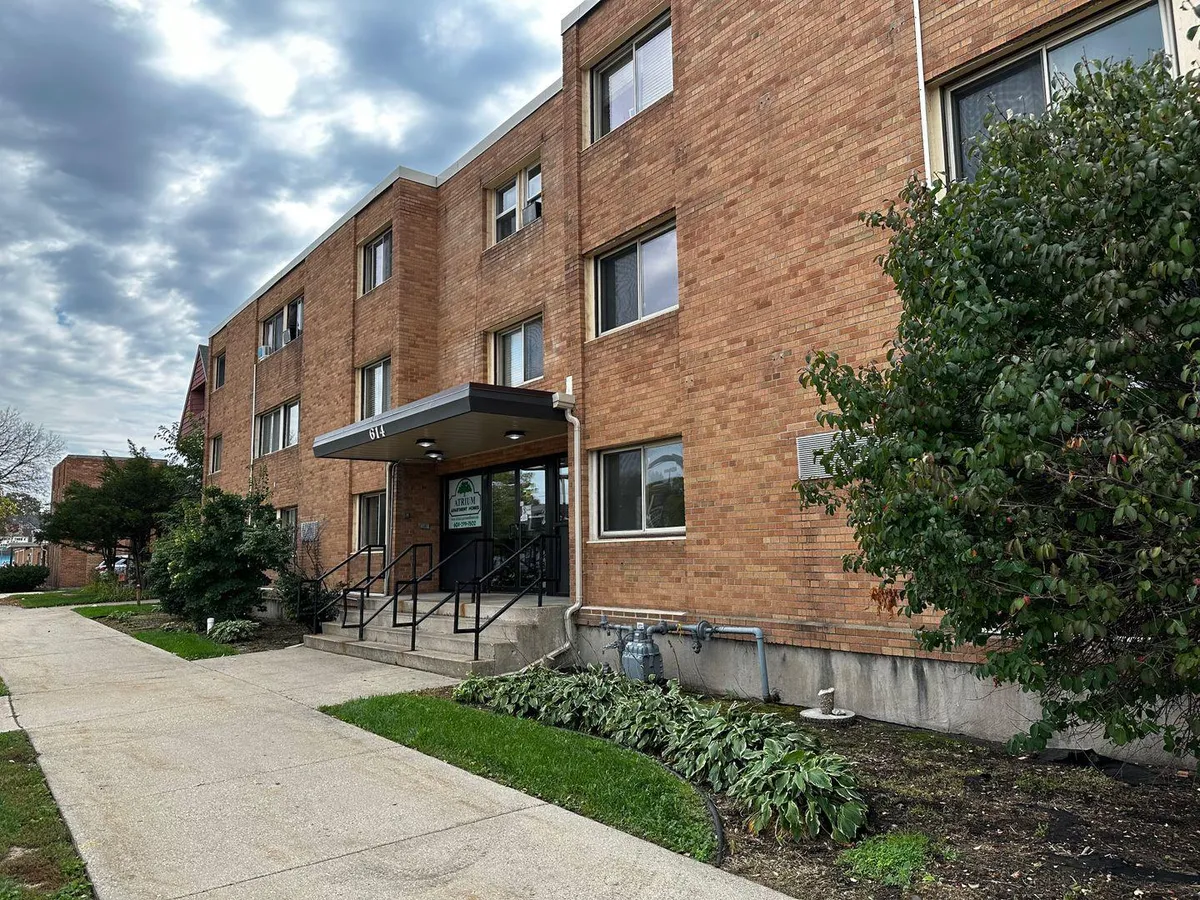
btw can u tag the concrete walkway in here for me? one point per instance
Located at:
(220, 780)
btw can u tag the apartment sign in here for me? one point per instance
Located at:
(465, 503)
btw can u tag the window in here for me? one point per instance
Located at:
(1026, 86)
(289, 518)
(633, 78)
(377, 261)
(637, 281)
(641, 490)
(281, 329)
(519, 353)
(371, 521)
(376, 389)
(518, 202)
(279, 429)
(219, 371)
(216, 445)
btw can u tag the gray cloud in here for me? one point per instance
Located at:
(161, 158)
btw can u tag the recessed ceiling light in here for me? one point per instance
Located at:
(436, 455)
(426, 443)
(514, 435)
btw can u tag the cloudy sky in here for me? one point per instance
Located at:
(159, 159)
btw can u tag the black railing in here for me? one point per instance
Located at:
(411, 553)
(419, 618)
(540, 545)
(319, 585)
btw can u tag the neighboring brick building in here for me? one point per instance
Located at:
(71, 568)
(669, 272)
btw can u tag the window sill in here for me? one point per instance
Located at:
(524, 385)
(637, 115)
(374, 289)
(511, 240)
(643, 539)
(621, 328)
(277, 452)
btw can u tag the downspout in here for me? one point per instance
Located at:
(922, 92)
(566, 402)
(253, 408)
(389, 537)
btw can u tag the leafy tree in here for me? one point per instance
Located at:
(20, 513)
(185, 455)
(1027, 460)
(87, 518)
(26, 453)
(215, 561)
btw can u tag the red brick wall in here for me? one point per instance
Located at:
(71, 568)
(787, 120)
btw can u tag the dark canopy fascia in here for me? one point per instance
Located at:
(462, 421)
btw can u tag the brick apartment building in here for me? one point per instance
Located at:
(192, 417)
(71, 568)
(658, 239)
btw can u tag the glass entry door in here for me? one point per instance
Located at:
(516, 503)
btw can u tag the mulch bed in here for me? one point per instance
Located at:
(1026, 828)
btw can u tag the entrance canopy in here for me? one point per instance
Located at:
(461, 421)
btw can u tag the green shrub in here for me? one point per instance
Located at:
(233, 631)
(14, 579)
(106, 589)
(893, 859)
(301, 598)
(777, 772)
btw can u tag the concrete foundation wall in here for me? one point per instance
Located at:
(923, 693)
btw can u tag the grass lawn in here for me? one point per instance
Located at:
(3, 688)
(185, 644)
(103, 612)
(45, 599)
(38, 861)
(577, 772)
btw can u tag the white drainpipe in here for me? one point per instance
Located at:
(567, 404)
(922, 92)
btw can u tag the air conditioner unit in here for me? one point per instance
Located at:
(290, 335)
(533, 212)
(264, 351)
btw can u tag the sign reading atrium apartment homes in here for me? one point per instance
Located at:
(465, 503)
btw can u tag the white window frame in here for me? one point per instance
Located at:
(599, 503)
(598, 307)
(618, 58)
(367, 258)
(361, 502)
(386, 365)
(498, 352)
(216, 448)
(285, 414)
(525, 196)
(219, 371)
(1042, 49)
(295, 516)
(276, 331)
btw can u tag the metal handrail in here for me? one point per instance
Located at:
(477, 588)
(320, 581)
(416, 622)
(412, 548)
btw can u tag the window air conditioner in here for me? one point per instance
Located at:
(290, 335)
(264, 351)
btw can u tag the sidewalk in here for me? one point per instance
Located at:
(220, 780)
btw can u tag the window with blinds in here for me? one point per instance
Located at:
(376, 389)
(519, 354)
(637, 281)
(636, 76)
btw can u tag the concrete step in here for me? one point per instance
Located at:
(448, 664)
(491, 645)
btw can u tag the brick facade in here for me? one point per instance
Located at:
(71, 568)
(786, 121)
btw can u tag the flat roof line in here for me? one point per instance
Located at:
(578, 13)
(407, 174)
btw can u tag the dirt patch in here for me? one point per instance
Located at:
(1000, 826)
(32, 869)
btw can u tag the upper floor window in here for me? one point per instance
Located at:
(1027, 85)
(376, 389)
(216, 445)
(641, 490)
(638, 280)
(377, 261)
(278, 429)
(634, 77)
(280, 329)
(219, 371)
(519, 353)
(518, 202)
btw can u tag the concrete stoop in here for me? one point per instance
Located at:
(523, 635)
